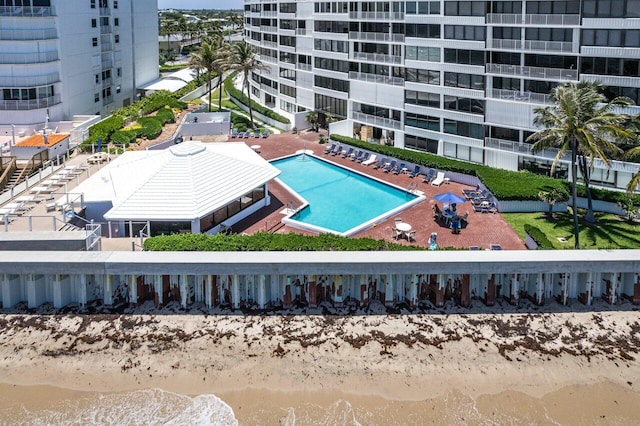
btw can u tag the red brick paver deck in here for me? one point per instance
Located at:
(482, 229)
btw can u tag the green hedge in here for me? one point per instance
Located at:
(240, 122)
(151, 127)
(242, 98)
(193, 85)
(166, 115)
(504, 184)
(124, 137)
(264, 241)
(538, 236)
(104, 129)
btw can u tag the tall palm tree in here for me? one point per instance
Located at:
(244, 61)
(221, 63)
(634, 153)
(582, 123)
(168, 28)
(205, 58)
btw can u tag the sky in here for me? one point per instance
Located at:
(201, 4)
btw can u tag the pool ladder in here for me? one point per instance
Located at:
(412, 187)
(292, 206)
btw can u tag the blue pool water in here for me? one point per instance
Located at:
(339, 199)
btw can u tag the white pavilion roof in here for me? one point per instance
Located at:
(183, 182)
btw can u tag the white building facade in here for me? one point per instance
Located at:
(459, 79)
(63, 58)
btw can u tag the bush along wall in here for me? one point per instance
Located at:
(538, 236)
(242, 98)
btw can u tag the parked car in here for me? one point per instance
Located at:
(98, 157)
(179, 139)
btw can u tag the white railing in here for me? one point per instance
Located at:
(387, 16)
(268, 29)
(508, 44)
(269, 59)
(519, 147)
(105, 11)
(38, 80)
(268, 89)
(29, 58)
(42, 34)
(105, 29)
(535, 72)
(302, 32)
(376, 121)
(107, 100)
(532, 19)
(304, 67)
(378, 79)
(514, 95)
(376, 57)
(106, 47)
(269, 13)
(26, 11)
(107, 63)
(548, 46)
(30, 104)
(366, 36)
(266, 43)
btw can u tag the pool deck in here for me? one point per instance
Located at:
(482, 230)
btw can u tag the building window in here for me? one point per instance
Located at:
(115, 4)
(422, 76)
(464, 8)
(421, 144)
(422, 98)
(119, 72)
(464, 32)
(462, 56)
(288, 90)
(97, 78)
(117, 89)
(462, 128)
(116, 22)
(422, 121)
(331, 83)
(429, 54)
(473, 106)
(116, 38)
(96, 97)
(93, 4)
(467, 81)
(94, 41)
(94, 23)
(423, 8)
(337, 107)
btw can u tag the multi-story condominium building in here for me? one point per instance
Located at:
(60, 58)
(456, 78)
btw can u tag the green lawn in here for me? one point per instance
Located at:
(611, 232)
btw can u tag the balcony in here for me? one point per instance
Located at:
(26, 11)
(44, 34)
(30, 104)
(106, 82)
(505, 44)
(33, 81)
(533, 72)
(105, 29)
(378, 79)
(519, 147)
(28, 58)
(268, 29)
(107, 100)
(304, 67)
(271, 44)
(365, 36)
(514, 95)
(384, 16)
(269, 59)
(376, 121)
(269, 13)
(105, 11)
(107, 63)
(303, 32)
(530, 19)
(268, 89)
(106, 47)
(548, 46)
(376, 57)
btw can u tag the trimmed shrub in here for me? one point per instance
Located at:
(123, 137)
(151, 127)
(103, 129)
(166, 115)
(242, 98)
(538, 236)
(264, 241)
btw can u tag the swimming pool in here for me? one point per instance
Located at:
(340, 200)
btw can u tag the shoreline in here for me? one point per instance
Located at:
(370, 361)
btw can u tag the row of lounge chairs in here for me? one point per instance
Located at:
(248, 134)
(481, 199)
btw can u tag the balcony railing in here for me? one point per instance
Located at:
(269, 13)
(268, 29)
(376, 121)
(107, 63)
(269, 59)
(304, 67)
(26, 11)
(507, 44)
(32, 81)
(28, 58)
(514, 95)
(106, 82)
(105, 11)
(534, 72)
(303, 32)
(268, 89)
(107, 100)
(519, 147)
(548, 46)
(105, 29)
(106, 47)
(378, 79)
(266, 43)
(30, 104)
(377, 57)
(386, 16)
(531, 19)
(43, 34)
(366, 36)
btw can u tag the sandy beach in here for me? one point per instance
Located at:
(560, 368)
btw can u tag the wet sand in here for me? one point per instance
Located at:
(566, 368)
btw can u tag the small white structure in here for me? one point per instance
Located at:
(51, 145)
(190, 187)
(206, 123)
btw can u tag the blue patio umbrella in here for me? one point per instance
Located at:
(449, 197)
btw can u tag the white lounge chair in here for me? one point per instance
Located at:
(370, 161)
(439, 180)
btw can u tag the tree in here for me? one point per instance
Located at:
(583, 124)
(221, 63)
(168, 28)
(629, 207)
(634, 153)
(244, 61)
(205, 58)
(556, 195)
(312, 120)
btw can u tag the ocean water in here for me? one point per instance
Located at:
(144, 407)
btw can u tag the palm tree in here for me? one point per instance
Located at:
(556, 195)
(634, 153)
(205, 58)
(220, 64)
(312, 120)
(244, 61)
(583, 123)
(168, 28)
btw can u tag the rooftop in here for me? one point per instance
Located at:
(38, 140)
